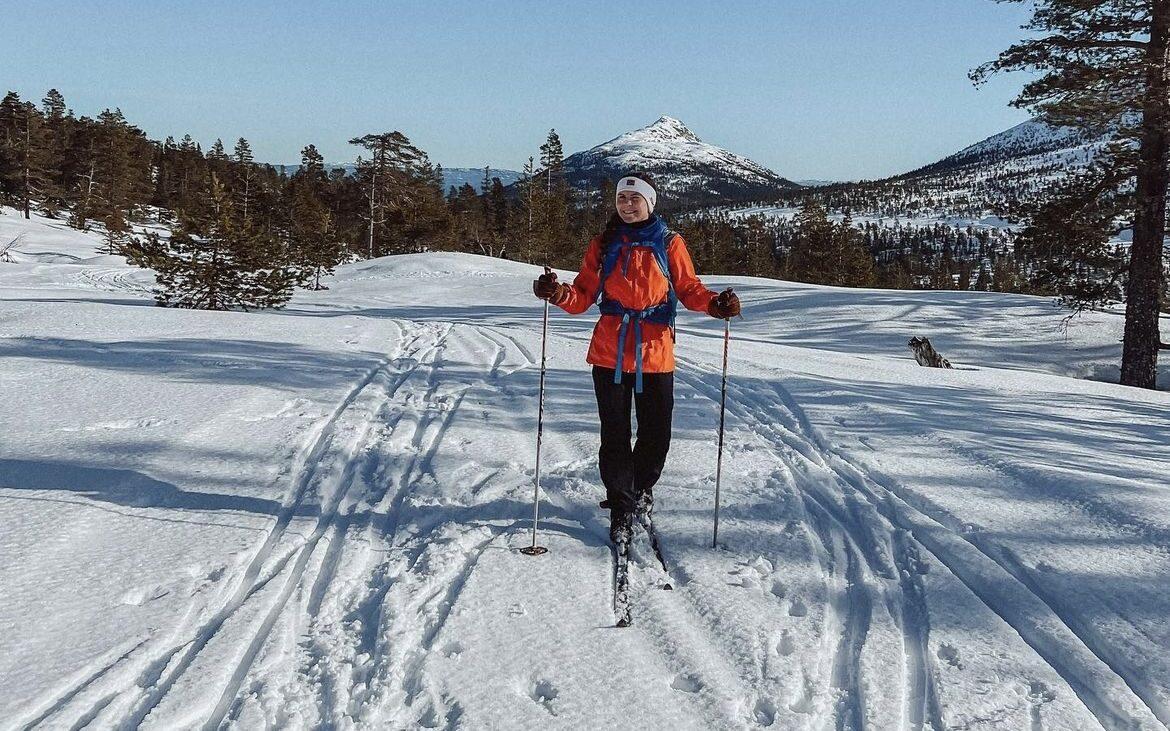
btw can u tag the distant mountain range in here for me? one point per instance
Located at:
(691, 173)
(457, 177)
(686, 169)
(1034, 143)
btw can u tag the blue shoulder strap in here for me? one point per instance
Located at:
(613, 251)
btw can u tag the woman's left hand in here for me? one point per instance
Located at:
(725, 305)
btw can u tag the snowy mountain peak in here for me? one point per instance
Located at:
(666, 128)
(686, 168)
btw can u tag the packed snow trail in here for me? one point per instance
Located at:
(311, 518)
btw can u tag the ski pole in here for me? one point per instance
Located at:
(722, 407)
(535, 550)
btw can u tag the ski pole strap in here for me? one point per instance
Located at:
(621, 347)
(638, 355)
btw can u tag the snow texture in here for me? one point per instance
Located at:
(310, 518)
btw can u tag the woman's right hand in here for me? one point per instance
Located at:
(546, 287)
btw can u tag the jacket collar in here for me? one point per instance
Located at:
(648, 230)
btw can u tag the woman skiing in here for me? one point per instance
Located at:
(636, 270)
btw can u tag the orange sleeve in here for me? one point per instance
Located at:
(687, 286)
(583, 290)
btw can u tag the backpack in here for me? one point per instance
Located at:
(657, 238)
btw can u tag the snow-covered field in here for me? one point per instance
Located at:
(309, 518)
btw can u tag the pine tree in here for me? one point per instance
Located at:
(523, 223)
(11, 122)
(25, 153)
(58, 126)
(983, 279)
(211, 262)
(314, 246)
(312, 169)
(552, 201)
(117, 232)
(1067, 243)
(470, 229)
(217, 151)
(390, 179)
(498, 214)
(53, 106)
(116, 159)
(1105, 65)
(245, 174)
(856, 264)
(425, 223)
(812, 257)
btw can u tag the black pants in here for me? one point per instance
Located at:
(626, 472)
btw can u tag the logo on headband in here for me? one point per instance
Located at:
(630, 181)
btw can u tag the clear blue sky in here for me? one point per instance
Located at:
(833, 89)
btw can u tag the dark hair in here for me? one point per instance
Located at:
(611, 225)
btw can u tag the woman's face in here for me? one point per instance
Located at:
(632, 207)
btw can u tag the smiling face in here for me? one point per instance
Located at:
(632, 207)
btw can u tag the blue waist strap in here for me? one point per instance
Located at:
(661, 314)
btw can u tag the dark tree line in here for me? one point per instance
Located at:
(245, 234)
(263, 231)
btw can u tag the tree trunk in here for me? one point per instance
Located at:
(27, 154)
(373, 179)
(1139, 357)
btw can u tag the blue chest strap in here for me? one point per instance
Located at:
(653, 237)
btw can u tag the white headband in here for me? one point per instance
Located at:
(639, 186)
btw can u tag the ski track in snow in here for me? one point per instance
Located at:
(702, 666)
(866, 540)
(337, 616)
(111, 279)
(328, 468)
(385, 680)
(1069, 649)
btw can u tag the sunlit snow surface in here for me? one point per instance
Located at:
(309, 518)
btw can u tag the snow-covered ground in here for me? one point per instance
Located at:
(309, 518)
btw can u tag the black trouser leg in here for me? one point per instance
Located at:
(627, 472)
(615, 456)
(655, 407)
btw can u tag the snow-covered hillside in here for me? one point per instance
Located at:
(684, 166)
(309, 518)
(994, 176)
(1027, 141)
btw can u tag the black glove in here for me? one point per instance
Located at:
(724, 306)
(546, 287)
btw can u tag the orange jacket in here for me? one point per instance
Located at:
(642, 286)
